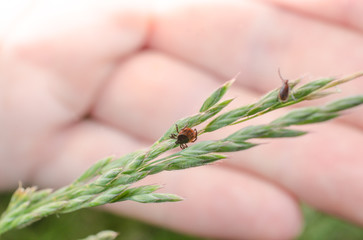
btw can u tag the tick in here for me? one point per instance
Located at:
(186, 135)
(285, 90)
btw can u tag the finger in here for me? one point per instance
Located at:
(150, 91)
(321, 168)
(345, 13)
(256, 38)
(67, 52)
(76, 45)
(220, 203)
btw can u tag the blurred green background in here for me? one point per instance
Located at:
(86, 222)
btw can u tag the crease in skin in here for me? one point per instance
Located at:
(346, 14)
(204, 23)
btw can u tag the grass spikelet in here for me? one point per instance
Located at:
(111, 180)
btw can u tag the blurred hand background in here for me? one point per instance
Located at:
(81, 80)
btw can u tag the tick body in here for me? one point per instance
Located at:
(284, 92)
(186, 135)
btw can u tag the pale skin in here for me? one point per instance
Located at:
(81, 81)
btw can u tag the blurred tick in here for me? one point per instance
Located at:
(284, 92)
(186, 135)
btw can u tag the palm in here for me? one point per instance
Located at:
(111, 83)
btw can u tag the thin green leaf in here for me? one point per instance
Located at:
(108, 177)
(227, 118)
(104, 235)
(317, 117)
(93, 171)
(216, 95)
(311, 87)
(295, 116)
(263, 131)
(183, 162)
(343, 104)
(135, 191)
(108, 196)
(155, 198)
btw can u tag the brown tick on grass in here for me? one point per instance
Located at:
(186, 135)
(285, 90)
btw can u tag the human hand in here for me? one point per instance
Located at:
(99, 80)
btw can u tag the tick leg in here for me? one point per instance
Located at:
(196, 135)
(282, 79)
(176, 126)
(173, 136)
(186, 125)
